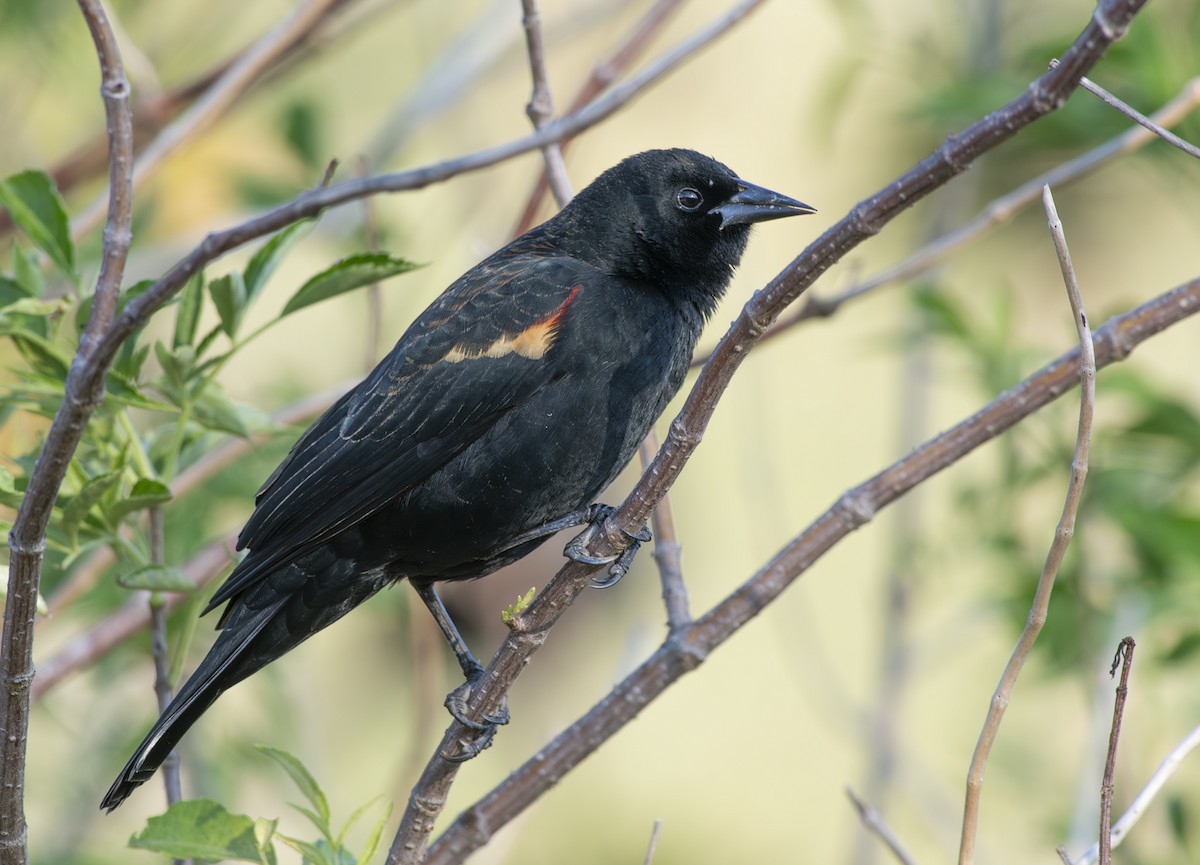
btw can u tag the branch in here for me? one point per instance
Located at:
(995, 213)
(1058, 548)
(1138, 117)
(667, 551)
(683, 652)
(27, 539)
(1144, 797)
(541, 105)
(873, 820)
(1124, 657)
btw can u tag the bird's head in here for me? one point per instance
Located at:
(673, 218)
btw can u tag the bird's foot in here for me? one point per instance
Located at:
(485, 727)
(576, 550)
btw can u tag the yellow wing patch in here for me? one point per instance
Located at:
(532, 343)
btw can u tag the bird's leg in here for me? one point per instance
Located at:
(576, 550)
(456, 700)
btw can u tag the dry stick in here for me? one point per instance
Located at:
(667, 552)
(685, 651)
(236, 80)
(541, 105)
(156, 603)
(874, 822)
(995, 213)
(529, 631)
(27, 539)
(1124, 657)
(1143, 799)
(1062, 539)
(653, 845)
(1137, 116)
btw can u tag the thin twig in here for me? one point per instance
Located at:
(1145, 796)
(653, 845)
(1124, 657)
(687, 650)
(27, 539)
(1137, 116)
(668, 554)
(1058, 548)
(604, 73)
(997, 212)
(236, 80)
(158, 650)
(541, 104)
(874, 822)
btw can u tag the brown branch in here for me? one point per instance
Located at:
(1138, 117)
(541, 104)
(1058, 548)
(683, 652)
(156, 603)
(1124, 657)
(997, 212)
(529, 631)
(668, 554)
(27, 539)
(876, 825)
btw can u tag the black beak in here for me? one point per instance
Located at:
(754, 204)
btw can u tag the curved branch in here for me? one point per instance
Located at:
(27, 539)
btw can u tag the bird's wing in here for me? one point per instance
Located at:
(473, 355)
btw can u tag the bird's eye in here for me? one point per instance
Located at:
(688, 199)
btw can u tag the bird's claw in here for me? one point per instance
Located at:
(576, 550)
(457, 705)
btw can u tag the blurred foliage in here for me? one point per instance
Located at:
(203, 829)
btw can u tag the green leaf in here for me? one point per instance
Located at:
(348, 274)
(200, 829)
(146, 493)
(126, 392)
(43, 355)
(523, 601)
(300, 128)
(264, 831)
(10, 291)
(9, 494)
(368, 851)
(156, 578)
(88, 497)
(264, 262)
(187, 317)
(303, 779)
(27, 272)
(229, 296)
(214, 410)
(178, 365)
(311, 852)
(38, 211)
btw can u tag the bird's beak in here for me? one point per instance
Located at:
(754, 204)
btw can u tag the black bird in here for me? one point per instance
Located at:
(501, 413)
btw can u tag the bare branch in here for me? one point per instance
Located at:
(1137, 116)
(687, 650)
(541, 105)
(873, 820)
(1058, 548)
(1145, 796)
(653, 845)
(997, 212)
(158, 651)
(667, 552)
(27, 539)
(1124, 657)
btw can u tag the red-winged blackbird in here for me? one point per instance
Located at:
(505, 408)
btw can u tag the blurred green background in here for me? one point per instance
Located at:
(832, 687)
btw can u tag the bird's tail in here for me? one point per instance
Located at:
(227, 663)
